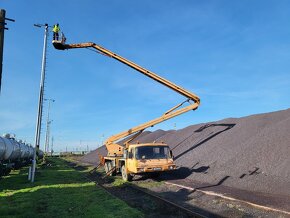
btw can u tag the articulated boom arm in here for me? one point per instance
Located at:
(192, 99)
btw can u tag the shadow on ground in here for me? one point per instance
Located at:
(212, 135)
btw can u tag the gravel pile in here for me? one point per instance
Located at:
(251, 153)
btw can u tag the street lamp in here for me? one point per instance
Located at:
(47, 125)
(48, 136)
(40, 99)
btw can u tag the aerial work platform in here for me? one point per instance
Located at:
(60, 45)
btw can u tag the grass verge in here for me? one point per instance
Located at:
(59, 191)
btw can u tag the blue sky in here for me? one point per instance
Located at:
(235, 55)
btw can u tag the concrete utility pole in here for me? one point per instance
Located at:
(47, 136)
(51, 150)
(48, 122)
(40, 99)
(2, 29)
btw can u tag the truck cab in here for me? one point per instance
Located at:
(143, 158)
(138, 159)
(152, 158)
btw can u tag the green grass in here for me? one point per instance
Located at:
(118, 181)
(58, 191)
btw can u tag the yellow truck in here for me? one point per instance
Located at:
(139, 158)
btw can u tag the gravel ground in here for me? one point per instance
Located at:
(249, 153)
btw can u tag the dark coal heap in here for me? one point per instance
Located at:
(250, 153)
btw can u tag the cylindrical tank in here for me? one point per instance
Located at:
(8, 148)
(12, 150)
(26, 154)
(16, 153)
(23, 150)
(40, 154)
(31, 152)
(2, 148)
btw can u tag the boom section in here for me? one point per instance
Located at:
(131, 64)
(151, 123)
(112, 147)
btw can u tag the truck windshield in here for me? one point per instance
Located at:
(152, 152)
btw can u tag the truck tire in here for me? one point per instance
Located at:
(126, 176)
(108, 166)
(113, 173)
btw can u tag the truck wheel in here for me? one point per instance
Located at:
(126, 176)
(114, 172)
(110, 166)
(106, 166)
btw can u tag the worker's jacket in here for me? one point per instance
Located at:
(56, 29)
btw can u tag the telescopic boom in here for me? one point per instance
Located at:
(191, 98)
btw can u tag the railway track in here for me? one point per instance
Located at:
(151, 204)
